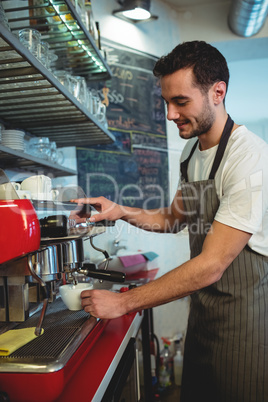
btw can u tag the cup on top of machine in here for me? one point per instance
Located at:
(70, 294)
(40, 187)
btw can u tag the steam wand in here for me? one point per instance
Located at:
(93, 271)
(106, 255)
(104, 252)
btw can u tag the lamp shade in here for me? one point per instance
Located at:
(134, 11)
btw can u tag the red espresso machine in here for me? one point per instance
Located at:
(32, 267)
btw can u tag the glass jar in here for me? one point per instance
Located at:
(30, 38)
(40, 147)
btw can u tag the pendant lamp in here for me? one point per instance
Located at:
(134, 11)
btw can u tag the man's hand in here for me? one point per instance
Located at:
(103, 303)
(107, 210)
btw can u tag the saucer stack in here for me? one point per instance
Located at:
(13, 139)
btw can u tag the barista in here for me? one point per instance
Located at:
(223, 191)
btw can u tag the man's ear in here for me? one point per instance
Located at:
(219, 92)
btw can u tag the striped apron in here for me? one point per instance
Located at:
(226, 346)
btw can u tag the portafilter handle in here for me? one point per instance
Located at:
(102, 274)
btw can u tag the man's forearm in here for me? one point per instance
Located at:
(178, 283)
(221, 247)
(154, 220)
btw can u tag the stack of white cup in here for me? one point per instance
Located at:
(39, 187)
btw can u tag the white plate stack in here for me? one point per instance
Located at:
(13, 139)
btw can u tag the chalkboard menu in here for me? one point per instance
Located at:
(133, 170)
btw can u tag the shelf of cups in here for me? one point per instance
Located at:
(12, 158)
(32, 99)
(62, 28)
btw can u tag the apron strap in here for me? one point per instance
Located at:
(219, 154)
(184, 164)
(222, 145)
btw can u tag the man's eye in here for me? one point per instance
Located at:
(181, 103)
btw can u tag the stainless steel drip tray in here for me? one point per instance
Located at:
(64, 331)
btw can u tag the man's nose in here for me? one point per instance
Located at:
(172, 113)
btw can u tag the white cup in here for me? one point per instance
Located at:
(7, 192)
(71, 294)
(39, 184)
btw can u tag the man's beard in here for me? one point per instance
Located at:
(204, 121)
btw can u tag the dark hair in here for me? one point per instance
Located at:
(208, 64)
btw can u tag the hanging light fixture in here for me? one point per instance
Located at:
(135, 11)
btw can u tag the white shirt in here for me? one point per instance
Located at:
(241, 183)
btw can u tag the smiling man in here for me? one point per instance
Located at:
(222, 197)
(190, 110)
